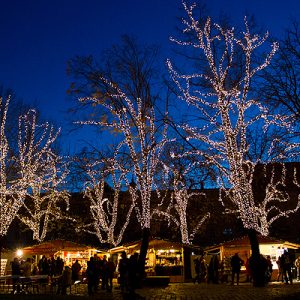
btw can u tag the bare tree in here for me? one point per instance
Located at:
(281, 80)
(124, 103)
(228, 113)
(43, 172)
(178, 197)
(12, 186)
(12, 191)
(107, 223)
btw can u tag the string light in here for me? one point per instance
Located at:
(179, 200)
(12, 189)
(34, 190)
(43, 172)
(104, 211)
(134, 119)
(229, 114)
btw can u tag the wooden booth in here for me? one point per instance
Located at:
(267, 246)
(68, 251)
(164, 258)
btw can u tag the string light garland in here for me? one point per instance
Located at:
(104, 210)
(178, 202)
(134, 119)
(228, 114)
(12, 189)
(32, 191)
(43, 172)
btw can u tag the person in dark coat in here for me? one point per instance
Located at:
(65, 281)
(98, 270)
(269, 269)
(203, 269)
(236, 263)
(104, 269)
(76, 267)
(59, 266)
(213, 270)
(91, 276)
(280, 268)
(111, 268)
(16, 273)
(287, 267)
(133, 273)
(197, 270)
(123, 271)
(297, 266)
(44, 266)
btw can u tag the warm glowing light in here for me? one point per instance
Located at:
(44, 173)
(35, 187)
(12, 188)
(228, 115)
(104, 211)
(134, 119)
(176, 211)
(19, 252)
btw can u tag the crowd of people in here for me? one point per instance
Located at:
(98, 274)
(51, 267)
(228, 270)
(101, 271)
(19, 268)
(285, 264)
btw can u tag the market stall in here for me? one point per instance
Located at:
(164, 258)
(68, 251)
(268, 246)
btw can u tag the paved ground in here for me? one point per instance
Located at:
(181, 291)
(190, 291)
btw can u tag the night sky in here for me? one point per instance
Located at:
(38, 37)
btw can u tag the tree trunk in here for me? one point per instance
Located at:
(143, 252)
(187, 263)
(256, 262)
(1, 243)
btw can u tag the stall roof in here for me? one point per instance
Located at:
(244, 242)
(51, 247)
(153, 243)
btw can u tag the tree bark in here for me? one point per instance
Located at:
(256, 262)
(143, 252)
(1, 243)
(187, 263)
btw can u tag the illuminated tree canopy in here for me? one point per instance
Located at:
(229, 114)
(105, 209)
(31, 176)
(43, 173)
(12, 188)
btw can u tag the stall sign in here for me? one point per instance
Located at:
(3, 267)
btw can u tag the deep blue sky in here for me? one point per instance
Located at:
(39, 36)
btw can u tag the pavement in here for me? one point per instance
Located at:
(190, 291)
(179, 291)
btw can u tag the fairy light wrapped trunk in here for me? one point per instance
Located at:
(229, 116)
(177, 200)
(106, 222)
(12, 188)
